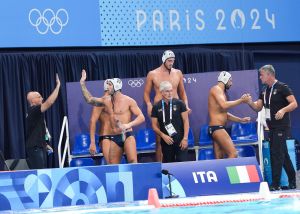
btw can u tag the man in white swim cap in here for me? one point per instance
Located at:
(165, 72)
(218, 113)
(117, 85)
(120, 109)
(99, 115)
(225, 78)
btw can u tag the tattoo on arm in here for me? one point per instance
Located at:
(86, 93)
(94, 102)
(88, 97)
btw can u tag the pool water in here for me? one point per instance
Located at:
(275, 206)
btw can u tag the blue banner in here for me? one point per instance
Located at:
(213, 177)
(49, 23)
(49, 188)
(52, 23)
(198, 21)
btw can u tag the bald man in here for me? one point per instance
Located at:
(36, 131)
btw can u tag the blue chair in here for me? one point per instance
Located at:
(82, 144)
(206, 154)
(244, 132)
(82, 162)
(145, 139)
(191, 140)
(245, 151)
(204, 137)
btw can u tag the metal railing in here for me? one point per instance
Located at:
(66, 151)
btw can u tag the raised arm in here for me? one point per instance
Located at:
(87, 95)
(51, 99)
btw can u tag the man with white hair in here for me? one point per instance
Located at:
(165, 72)
(36, 131)
(218, 106)
(170, 121)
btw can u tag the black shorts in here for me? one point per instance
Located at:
(118, 139)
(212, 129)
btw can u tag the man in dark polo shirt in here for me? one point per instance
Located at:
(279, 101)
(170, 121)
(36, 131)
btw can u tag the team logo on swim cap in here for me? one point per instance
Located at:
(167, 54)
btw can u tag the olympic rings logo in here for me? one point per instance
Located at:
(136, 83)
(48, 20)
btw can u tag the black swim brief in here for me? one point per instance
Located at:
(118, 139)
(103, 137)
(212, 129)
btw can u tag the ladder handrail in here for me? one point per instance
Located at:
(62, 157)
(260, 134)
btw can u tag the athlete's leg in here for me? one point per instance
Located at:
(225, 143)
(158, 151)
(130, 149)
(105, 144)
(115, 153)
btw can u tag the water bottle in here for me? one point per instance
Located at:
(146, 136)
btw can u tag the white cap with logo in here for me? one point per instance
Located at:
(167, 54)
(224, 77)
(117, 83)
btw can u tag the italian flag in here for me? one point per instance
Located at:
(242, 174)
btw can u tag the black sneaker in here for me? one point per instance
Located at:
(285, 187)
(275, 188)
(292, 185)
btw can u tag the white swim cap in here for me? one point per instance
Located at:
(167, 54)
(117, 83)
(105, 85)
(224, 77)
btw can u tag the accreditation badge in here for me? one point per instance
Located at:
(268, 114)
(170, 129)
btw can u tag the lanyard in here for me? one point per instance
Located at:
(163, 110)
(270, 94)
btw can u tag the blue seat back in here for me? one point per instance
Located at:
(145, 139)
(244, 133)
(82, 144)
(82, 162)
(204, 137)
(206, 154)
(191, 140)
(246, 151)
